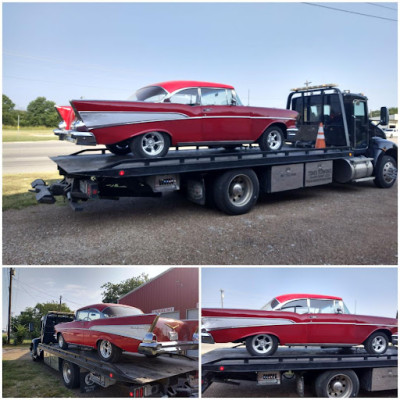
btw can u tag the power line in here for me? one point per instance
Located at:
(350, 12)
(380, 5)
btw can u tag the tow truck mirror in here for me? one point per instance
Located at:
(384, 116)
(31, 327)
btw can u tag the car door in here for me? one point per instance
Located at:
(90, 335)
(75, 334)
(223, 120)
(328, 324)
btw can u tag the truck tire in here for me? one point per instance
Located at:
(70, 374)
(272, 139)
(150, 145)
(338, 383)
(385, 172)
(107, 351)
(235, 192)
(61, 342)
(377, 343)
(119, 149)
(261, 345)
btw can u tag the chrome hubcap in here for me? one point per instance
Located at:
(67, 372)
(379, 344)
(340, 386)
(60, 341)
(262, 343)
(274, 140)
(240, 190)
(105, 349)
(153, 143)
(389, 172)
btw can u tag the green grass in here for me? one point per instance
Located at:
(16, 186)
(25, 378)
(29, 134)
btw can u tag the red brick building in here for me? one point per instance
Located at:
(174, 294)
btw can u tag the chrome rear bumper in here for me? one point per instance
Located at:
(156, 348)
(82, 138)
(207, 337)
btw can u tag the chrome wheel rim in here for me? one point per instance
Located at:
(240, 190)
(153, 143)
(60, 340)
(378, 344)
(274, 140)
(389, 172)
(262, 343)
(67, 372)
(340, 386)
(105, 349)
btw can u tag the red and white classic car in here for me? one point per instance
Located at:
(298, 320)
(175, 113)
(113, 328)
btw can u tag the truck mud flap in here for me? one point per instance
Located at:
(43, 194)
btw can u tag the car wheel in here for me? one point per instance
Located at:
(108, 351)
(261, 345)
(70, 374)
(342, 383)
(119, 148)
(151, 144)
(272, 139)
(236, 192)
(377, 343)
(61, 342)
(386, 172)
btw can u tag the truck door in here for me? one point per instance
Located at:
(358, 127)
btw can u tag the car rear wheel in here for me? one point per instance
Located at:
(377, 343)
(261, 345)
(272, 139)
(119, 148)
(343, 383)
(108, 351)
(150, 145)
(61, 342)
(386, 172)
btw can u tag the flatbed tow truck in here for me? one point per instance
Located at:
(231, 180)
(332, 373)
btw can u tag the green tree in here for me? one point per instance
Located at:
(41, 112)
(113, 291)
(9, 114)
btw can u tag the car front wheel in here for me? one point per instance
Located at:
(272, 139)
(261, 345)
(108, 351)
(377, 343)
(61, 342)
(150, 145)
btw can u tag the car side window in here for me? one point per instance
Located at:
(297, 306)
(93, 314)
(82, 315)
(214, 97)
(318, 306)
(185, 96)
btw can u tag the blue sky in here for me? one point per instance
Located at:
(77, 286)
(106, 51)
(368, 291)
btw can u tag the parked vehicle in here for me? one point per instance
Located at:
(113, 328)
(297, 320)
(176, 113)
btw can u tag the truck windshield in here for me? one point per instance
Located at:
(112, 312)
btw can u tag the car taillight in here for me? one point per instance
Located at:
(137, 393)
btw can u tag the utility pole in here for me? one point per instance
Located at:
(59, 308)
(12, 273)
(222, 297)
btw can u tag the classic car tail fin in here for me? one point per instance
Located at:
(67, 115)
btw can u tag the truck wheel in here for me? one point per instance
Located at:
(61, 342)
(337, 384)
(151, 144)
(261, 345)
(272, 139)
(70, 374)
(108, 352)
(236, 192)
(386, 172)
(119, 149)
(377, 343)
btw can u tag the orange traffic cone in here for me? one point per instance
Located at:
(320, 142)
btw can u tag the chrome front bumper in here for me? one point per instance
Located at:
(156, 348)
(395, 339)
(82, 138)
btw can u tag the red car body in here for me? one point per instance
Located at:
(185, 113)
(128, 329)
(301, 324)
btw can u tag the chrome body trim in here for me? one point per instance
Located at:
(130, 331)
(156, 348)
(83, 138)
(217, 323)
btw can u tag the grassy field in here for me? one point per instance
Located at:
(16, 186)
(35, 134)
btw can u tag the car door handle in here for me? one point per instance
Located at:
(207, 109)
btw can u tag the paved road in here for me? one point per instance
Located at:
(23, 157)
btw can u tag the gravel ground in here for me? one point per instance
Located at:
(333, 224)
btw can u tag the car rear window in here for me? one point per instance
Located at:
(112, 312)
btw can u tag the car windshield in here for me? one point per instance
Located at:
(114, 311)
(149, 94)
(271, 305)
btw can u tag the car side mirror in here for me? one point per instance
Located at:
(233, 102)
(339, 311)
(384, 116)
